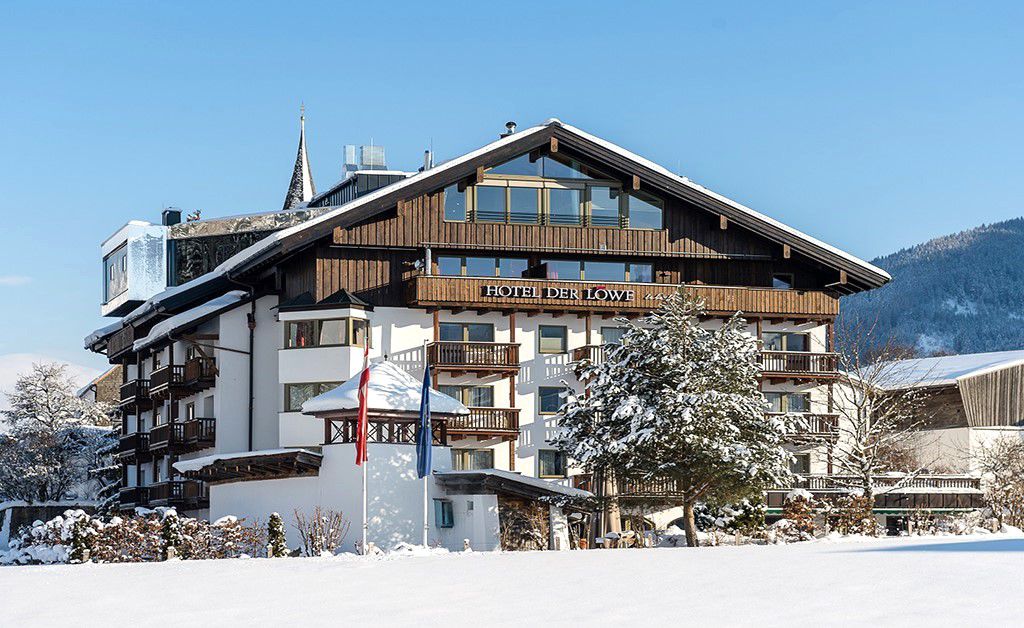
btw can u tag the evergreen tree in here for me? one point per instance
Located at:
(170, 535)
(679, 402)
(277, 545)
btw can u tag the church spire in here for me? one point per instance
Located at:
(301, 188)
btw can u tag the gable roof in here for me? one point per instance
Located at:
(944, 370)
(861, 275)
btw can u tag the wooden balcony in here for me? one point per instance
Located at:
(596, 354)
(183, 437)
(189, 378)
(784, 365)
(486, 423)
(554, 295)
(474, 357)
(120, 342)
(626, 489)
(185, 494)
(134, 447)
(392, 430)
(135, 396)
(814, 424)
(893, 493)
(132, 496)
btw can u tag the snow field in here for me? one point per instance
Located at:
(926, 581)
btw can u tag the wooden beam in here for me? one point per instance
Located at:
(479, 174)
(553, 145)
(842, 277)
(723, 222)
(636, 182)
(786, 251)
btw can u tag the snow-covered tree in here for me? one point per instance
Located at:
(1001, 464)
(52, 437)
(679, 402)
(277, 544)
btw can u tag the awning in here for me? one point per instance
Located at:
(247, 466)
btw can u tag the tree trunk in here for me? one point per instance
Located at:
(689, 525)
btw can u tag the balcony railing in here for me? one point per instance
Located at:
(799, 363)
(814, 423)
(120, 341)
(163, 379)
(200, 373)
(398, 431)
(190, 435)
(895, 492)
(180, 493)
(133, 446)
(486, 421)
(596, 354)
(818, 482)
(474, 356)
(135, 393)
(132, 496)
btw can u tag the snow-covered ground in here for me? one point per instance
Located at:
(949, 581)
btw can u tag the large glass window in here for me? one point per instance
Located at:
(788, 402)
(604, 271)
(641, 273)
(564, 206)
(297, 394)
(549, 399)
(801, 463)
(454, 203)
(490, 203)
(326, 333)
(466, 332)
(449, 265)
(612, 335)
(116, 273)
(782, 281)
(604, 206)
(785, 341)
(553, 338)
(524, 205)
(481, 267)
(472, 459)
(645, 211)
(471, 396)
(563, 269)
(511, 267)
(551, 463)
(521, 166)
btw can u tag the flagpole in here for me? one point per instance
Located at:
(426, 523)
(364, 465)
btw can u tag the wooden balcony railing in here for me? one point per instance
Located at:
(180, 493)
(399, 431)
(120, 341)
(799, 364)
(134, 393)
(132, 496)
(474, 356)
(185, 436)
(814, 423)
(200, 373)
(596, 354)
(486, 421)
(163, 379)
(133, 446)
(819, 482)
(895, 492)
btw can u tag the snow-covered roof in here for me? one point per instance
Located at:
(168, 326)
(942, 370)
(537, 483)
(196, 464)
(390, 389)
(101, 333)
(238, 261)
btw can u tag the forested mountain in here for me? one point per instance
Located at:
(961, 293)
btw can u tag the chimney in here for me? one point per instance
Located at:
(510, 128)
(170, 216)
(428, 160)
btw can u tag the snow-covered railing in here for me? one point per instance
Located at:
(486, 420)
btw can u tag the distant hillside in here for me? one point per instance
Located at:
(962, 293)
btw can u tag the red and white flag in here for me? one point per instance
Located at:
(362, 424)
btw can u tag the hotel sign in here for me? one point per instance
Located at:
(596, 293)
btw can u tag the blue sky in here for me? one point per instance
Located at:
(872, 126)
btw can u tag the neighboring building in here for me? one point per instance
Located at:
(968, 401)
(496, 270)
(105, 387)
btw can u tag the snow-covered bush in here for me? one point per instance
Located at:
(321, 532)
(797, 523)
(277, 545)
(852, 514)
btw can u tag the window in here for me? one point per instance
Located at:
(448, 265)
(297, 394)
(591, 270)
(490, 203)
(443, 517)
(551, 463)
(785, 341)
(564, 269)
(604, 271)
(645, 211)
(801, 463)
(334, 332)
(466, 332)
(158, 415)
(157, 359)
(472, 459)
(640, 273)
(116, 273)
(604, 206)
(454, 203)
(472, 396)
(520, 166)
(564, 206)
(552, 338)
(788, 402)
(612, 335)
(550, 399)
(782, 281)
(524, 205)
(190, 411)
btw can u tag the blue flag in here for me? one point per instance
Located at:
(424, 435)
